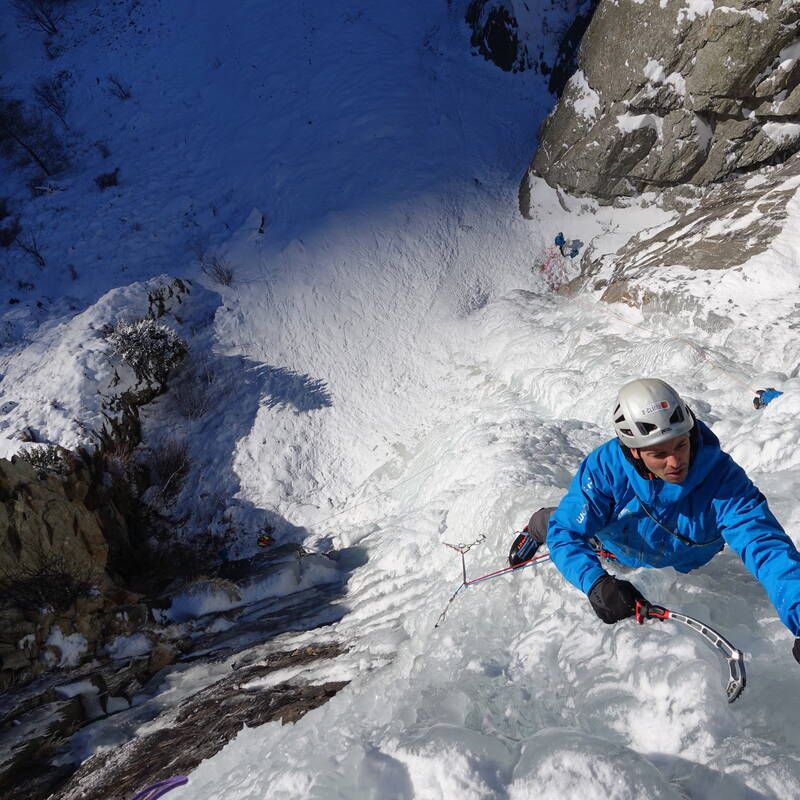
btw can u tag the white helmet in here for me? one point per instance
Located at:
(648, 412)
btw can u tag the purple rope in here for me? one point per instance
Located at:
(161, 788)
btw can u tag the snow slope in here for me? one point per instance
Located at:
(420, 385)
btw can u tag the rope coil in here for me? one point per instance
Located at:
(160, 788)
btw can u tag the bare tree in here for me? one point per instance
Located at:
(30, 245)
(41, 14)
(52, 95)
(218, 269)
(169, 465)
(196, 390)
(26, 132)
(119, 88)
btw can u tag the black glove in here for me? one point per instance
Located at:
(796, 650)
(523, 548)
(613, 599)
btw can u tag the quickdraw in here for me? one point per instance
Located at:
(466, 583)
(734, 657)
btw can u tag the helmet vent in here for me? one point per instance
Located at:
(620, 418)
(646, 428)
(677, 416)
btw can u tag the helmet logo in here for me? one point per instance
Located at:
(653, 407)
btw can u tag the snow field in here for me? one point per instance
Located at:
(521, 659)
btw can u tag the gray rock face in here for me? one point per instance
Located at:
(714, 228)
(201, 726)
(676, 91)
(40, 513)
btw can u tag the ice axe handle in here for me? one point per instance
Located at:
(644, 610)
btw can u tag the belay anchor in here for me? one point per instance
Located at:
(465, 583)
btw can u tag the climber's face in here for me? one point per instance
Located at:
(668, 460)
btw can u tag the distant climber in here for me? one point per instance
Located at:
(764, 397)
(566, 248)
(661, 494)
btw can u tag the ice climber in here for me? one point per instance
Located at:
(764, 397)
(661, 494)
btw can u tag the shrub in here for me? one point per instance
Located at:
(49, 583)
(149, 348)
(218, 269)
(52, 95)
(26, 135)
(107, 179)
(30, 245)
(169, 465)
(41, 14)
(50, 458)
(114, 454)
(118, 88)
(119, 437)
(194, 393)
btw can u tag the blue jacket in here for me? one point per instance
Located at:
(717, 504)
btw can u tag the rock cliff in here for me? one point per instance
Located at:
(55, 538)
(43, 516)
(673, 92)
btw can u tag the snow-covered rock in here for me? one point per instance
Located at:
(720, 82)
